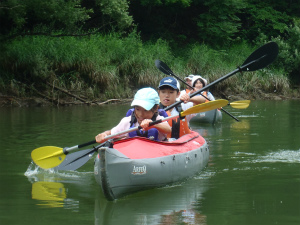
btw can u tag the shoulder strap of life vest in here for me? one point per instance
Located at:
(205, 94)
(151, 133)
(179, 125)
(177, 107)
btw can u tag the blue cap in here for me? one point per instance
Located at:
(146, 98)
(169, 81)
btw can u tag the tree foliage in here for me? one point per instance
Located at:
(217, 23)
(213, 22)
(220, 22)
(32, 16)
(117, 11)
(29, 15)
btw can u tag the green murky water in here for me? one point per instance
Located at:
(253, 176)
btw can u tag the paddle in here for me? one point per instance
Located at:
(166, 70)
(243, 104)
(75, 160)
(259, 59)
(49, 156)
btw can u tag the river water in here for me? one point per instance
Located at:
(253, 176)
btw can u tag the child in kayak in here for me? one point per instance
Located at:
(199, 82)
(146, 103)
(169, 91)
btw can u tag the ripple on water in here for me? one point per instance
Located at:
(283, 156)
(34, 173)
(205, 175)
(250, 116)
(253, 161)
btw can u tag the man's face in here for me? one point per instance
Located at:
(168, 96)
(189, 82)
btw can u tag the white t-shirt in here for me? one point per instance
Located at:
(125, 125)
(182, 92)
(210, 96)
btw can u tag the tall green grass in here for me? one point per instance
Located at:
(111, 66)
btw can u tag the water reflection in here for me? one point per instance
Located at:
(208, 130)
(51, 188)
(169, 205)
(242, 125)
(183, 203)
(50, 194)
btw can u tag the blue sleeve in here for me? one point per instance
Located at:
(129, 112)
(162, 112)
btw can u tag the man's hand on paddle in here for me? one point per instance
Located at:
(185, 98)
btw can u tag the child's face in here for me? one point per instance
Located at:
(141, 113)
(168, 96)
(198, 85)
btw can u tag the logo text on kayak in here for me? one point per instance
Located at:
(139, 170)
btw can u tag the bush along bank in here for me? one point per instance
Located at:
(96, 69)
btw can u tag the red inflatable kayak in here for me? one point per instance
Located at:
(136, 164)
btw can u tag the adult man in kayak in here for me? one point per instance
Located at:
(146, 103)
(169, 91)
(188, 80)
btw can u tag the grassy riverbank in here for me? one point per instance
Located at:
(98, 68)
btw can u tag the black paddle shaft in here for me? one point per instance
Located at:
(166, 70)
(86, 144)
(259, 59)
(68, 149)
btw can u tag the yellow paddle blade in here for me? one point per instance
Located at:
(207, 106)
(48, 156)
(240, 104)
